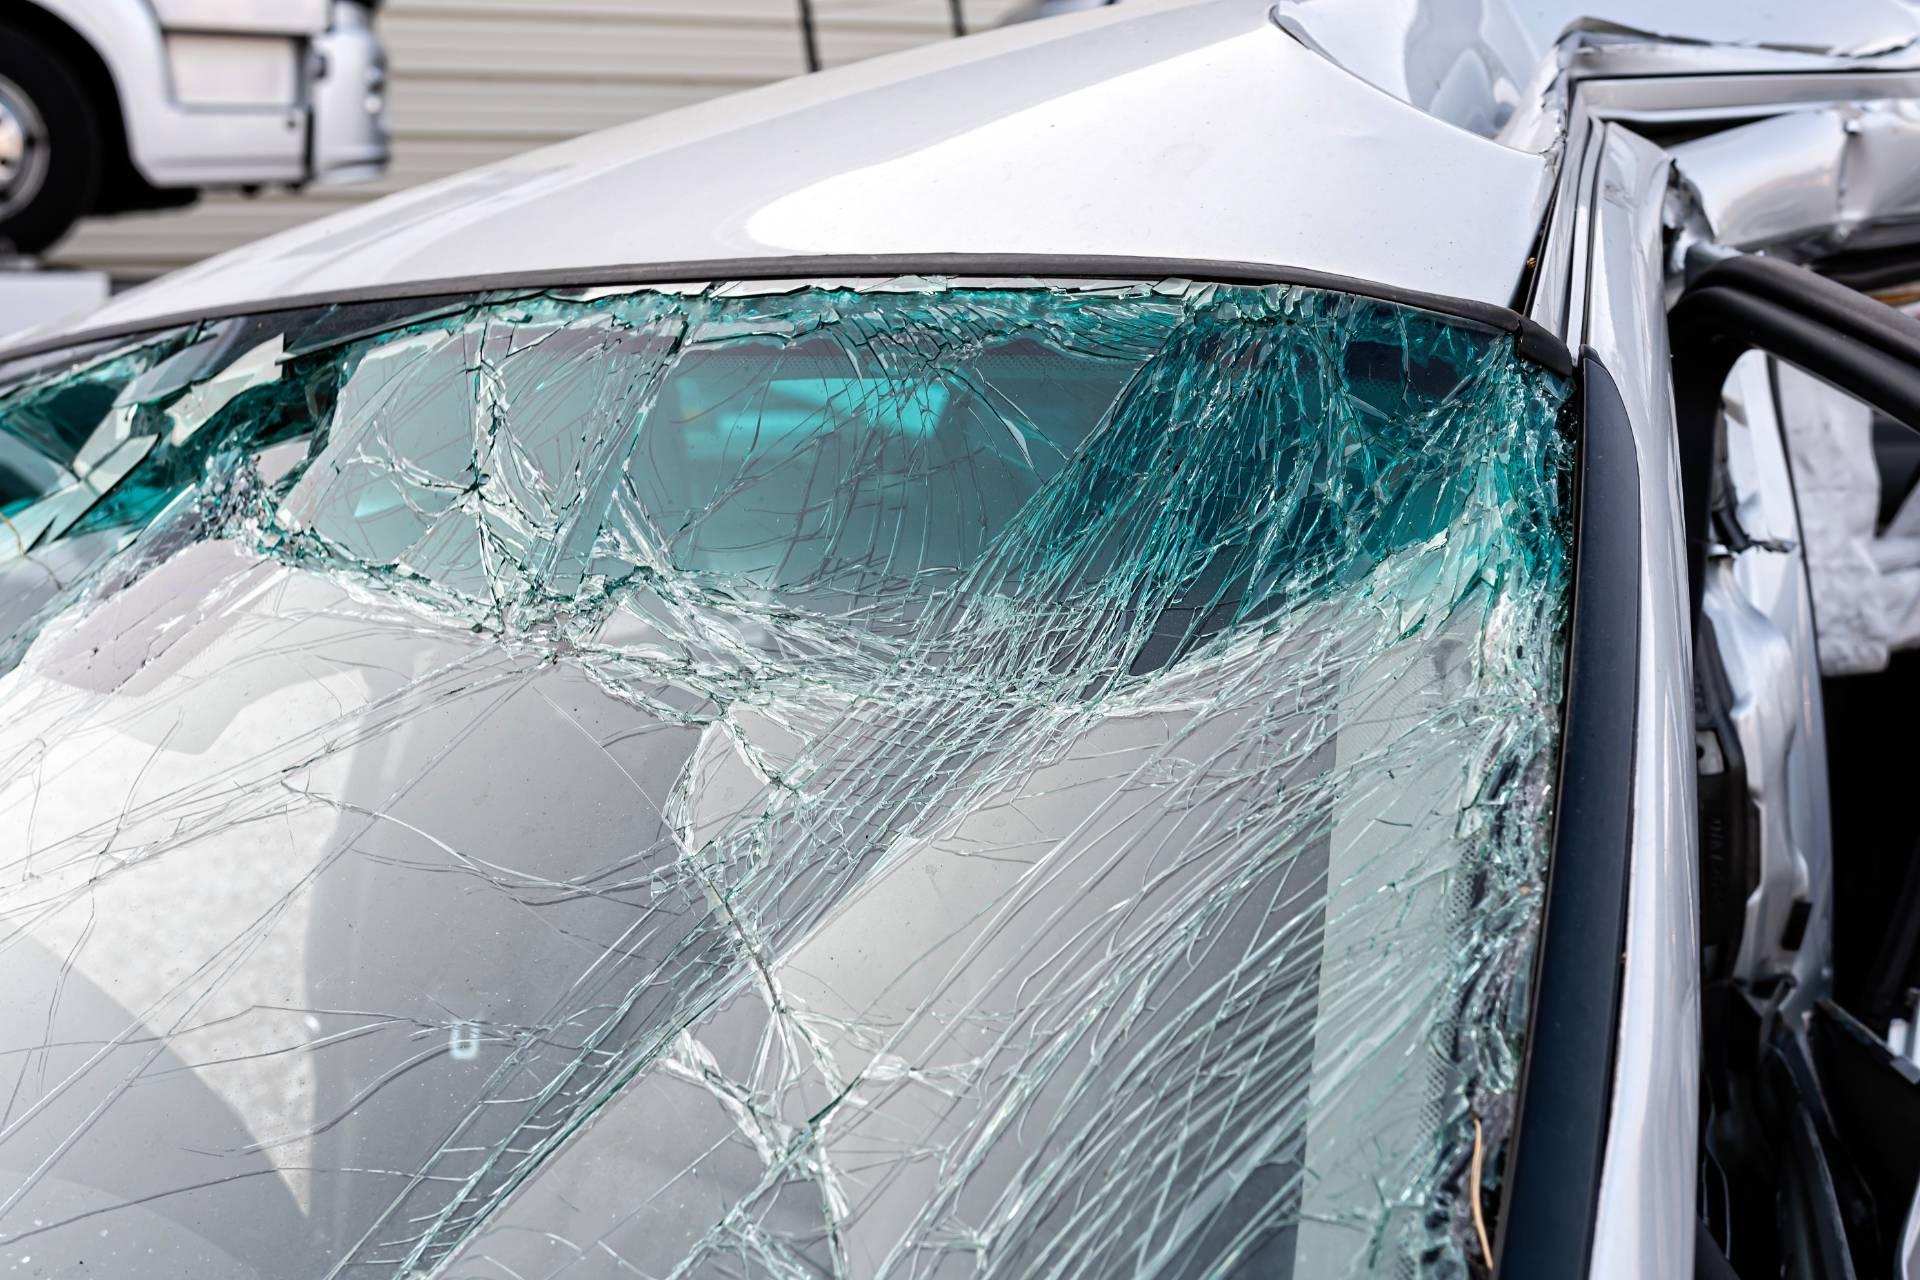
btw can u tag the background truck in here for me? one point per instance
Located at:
(112, 106)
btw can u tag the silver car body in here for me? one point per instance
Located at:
(1503, 159)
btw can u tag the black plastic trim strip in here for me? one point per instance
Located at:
(1868, 269)
(1819, 299)
(1532, 340)
(1552, 1178)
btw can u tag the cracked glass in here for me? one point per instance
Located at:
(913, 778)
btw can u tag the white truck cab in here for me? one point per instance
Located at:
(110, 106)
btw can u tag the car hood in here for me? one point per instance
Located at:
(1175, 132)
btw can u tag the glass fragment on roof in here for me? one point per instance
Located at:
(990, 781)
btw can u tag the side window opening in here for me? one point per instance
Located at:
(986, 750)
(1795, 398)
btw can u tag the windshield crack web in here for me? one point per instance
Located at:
(912, 779)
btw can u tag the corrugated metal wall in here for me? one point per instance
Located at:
(475, 80)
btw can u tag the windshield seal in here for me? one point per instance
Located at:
(1533, 341)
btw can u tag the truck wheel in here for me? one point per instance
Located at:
(49, 145)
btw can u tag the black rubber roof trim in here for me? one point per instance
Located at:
(1889, 267)
(1537, 343)
(1549, 1213)
(1829, 302)
(1533, 342)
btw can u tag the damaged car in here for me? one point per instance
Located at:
(1202, 639)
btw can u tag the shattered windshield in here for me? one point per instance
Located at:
(899, 779)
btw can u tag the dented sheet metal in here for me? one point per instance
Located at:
(1804, 184)
(935, 780)
(1507, 71)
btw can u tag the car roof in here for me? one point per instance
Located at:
(1193, 130)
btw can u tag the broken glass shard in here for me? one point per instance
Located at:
(917, 781)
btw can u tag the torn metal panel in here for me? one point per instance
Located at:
(1002, 781)
(1805, 183)
(1505, 70)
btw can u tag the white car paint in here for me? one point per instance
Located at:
(1647, 1190)
(254, 17)
(915, 154)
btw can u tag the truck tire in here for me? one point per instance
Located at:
(50, 145)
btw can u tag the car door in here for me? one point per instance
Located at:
(1809, 1115)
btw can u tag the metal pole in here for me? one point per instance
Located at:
(959, 18)
(807, 36)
